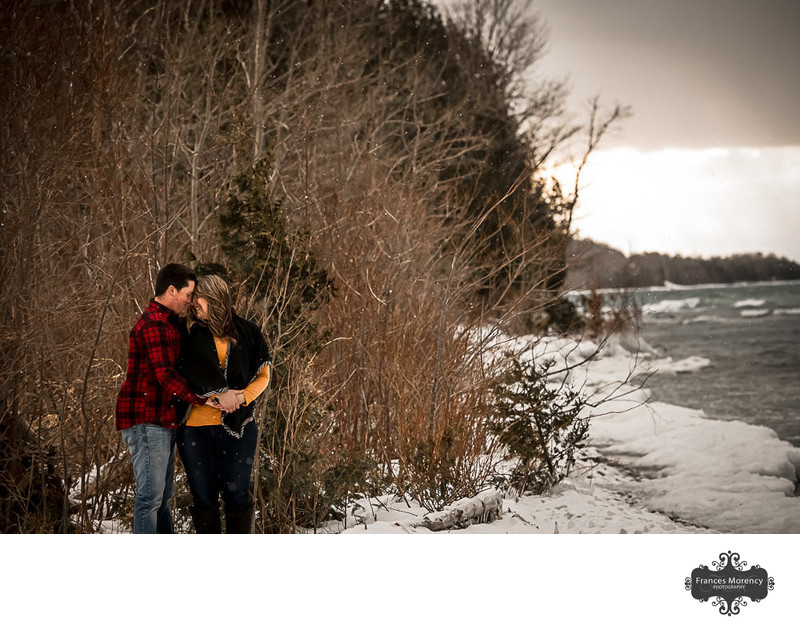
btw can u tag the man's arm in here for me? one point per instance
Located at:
(162, 346)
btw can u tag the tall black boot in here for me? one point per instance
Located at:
(239, 521)
(206, 519)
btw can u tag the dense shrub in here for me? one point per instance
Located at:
(540, 425)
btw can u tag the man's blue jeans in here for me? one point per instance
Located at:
(152, 451)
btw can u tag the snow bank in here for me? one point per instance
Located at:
(728, 476)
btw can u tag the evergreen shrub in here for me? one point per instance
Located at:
(539, 426)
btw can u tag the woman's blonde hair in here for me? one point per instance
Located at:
(215, 291)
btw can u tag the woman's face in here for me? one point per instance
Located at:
(200, 307)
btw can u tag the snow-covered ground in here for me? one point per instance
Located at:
(649, 467)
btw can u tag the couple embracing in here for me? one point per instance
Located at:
(195, 368)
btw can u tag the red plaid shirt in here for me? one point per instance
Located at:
(152, 383)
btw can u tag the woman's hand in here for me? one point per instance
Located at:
(228, 402)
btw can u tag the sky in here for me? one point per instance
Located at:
(709, 163)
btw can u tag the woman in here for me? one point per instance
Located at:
(221, 353)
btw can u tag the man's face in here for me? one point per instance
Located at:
(182, 299)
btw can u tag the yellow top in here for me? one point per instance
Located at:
(208, 415)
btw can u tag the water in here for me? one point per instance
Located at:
(751, 335)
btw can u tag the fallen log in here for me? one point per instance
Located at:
(483, 508)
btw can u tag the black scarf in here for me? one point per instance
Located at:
(199, 364)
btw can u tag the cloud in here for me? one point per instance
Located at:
(692, 202)
(716, 72)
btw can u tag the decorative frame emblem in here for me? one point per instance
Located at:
(729, 584)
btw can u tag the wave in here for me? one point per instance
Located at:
(673, 287)
(707, 318)
(670, 306)
(754, 313)
(691, 364)
(749, 302)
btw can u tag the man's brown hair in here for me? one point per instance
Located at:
(175, 274)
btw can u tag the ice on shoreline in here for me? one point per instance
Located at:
(729, 476)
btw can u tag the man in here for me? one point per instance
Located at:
(145, 413)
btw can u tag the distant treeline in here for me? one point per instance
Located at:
(597, 265)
